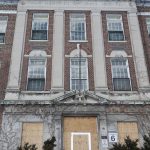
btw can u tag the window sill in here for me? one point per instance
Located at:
(38, 40)
(35, 92)
(123, 92)
(78, 41)
(117, 41)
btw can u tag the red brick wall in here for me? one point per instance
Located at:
(5, 53)
(8, 7)
(43, 45)
(125, 45)
(70, 46)
(145, 36)
(1, 114)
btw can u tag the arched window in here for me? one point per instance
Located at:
(78, 73)
(120, 74)
(36, 71)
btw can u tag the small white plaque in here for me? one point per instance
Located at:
(104, 143)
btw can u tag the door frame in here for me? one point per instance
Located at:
(81, 133)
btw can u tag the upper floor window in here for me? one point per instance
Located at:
(115, 27)
(78, 73)
(40, 26)
(77, 27)
(148, 25)
(36, 73)
(120, 74)
(3, 25)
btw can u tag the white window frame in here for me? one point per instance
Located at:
(148, 26)
(115, 18)
(37, 58)
(72, 20)
(128, 71)
(4, 20)
(33, 19)
(87, 79)
(81, 133)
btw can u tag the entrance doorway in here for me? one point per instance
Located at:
(80, 133)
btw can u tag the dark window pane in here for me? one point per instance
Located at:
(2, 37)
(79, 84)
(121, 84)
(35, 84)
(39, 34)
(116, 35)
(77, 35)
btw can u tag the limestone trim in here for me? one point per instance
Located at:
(8, 12)
(58, 51)
(138, 51)
(98, 52)
(17, 50)
(143, 13)
(77, 5)
(116, 53)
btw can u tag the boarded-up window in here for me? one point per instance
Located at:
(32, 133)
(127, 129)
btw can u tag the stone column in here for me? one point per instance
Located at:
(58, 51)
(16, 56)
(98, 51)
(138, 51)
(103, 132)
(58, 135)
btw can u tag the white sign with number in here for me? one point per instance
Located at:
(113, 137)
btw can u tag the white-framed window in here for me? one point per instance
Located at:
(120, 74)
(148, 25)
(78, 73)
(3, 26)
(36, 74)
(40, 26)
(77, 27)
(115, 27)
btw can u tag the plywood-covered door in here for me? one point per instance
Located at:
(80, 133)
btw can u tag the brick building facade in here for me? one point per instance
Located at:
(6, 47)
(78, 71)
(143, 15)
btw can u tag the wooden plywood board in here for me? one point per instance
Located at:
(80, 125)
(127, 129)
(32, 133)
(80, 142)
